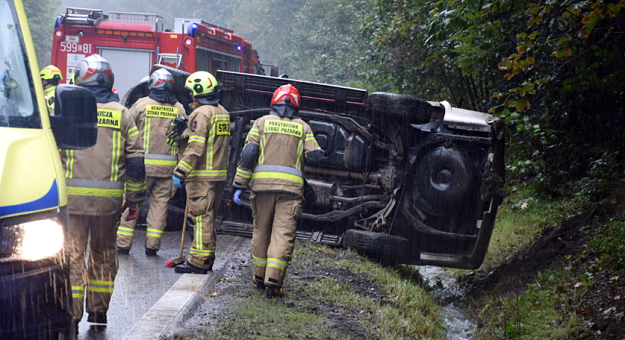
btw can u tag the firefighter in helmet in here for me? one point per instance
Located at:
(203, 166)
(97, 178)
(154, 115)
(271, 162)
(50, 77)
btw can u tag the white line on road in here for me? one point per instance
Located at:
(182, 298)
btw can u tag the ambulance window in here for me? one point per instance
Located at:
(17, 105)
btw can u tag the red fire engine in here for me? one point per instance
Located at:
(133, 42)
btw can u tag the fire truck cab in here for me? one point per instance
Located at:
(133, 42)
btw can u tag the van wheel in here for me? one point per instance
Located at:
(396, 106)
(388, 249)
(445, 176)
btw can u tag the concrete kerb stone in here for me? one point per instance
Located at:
(180, 301)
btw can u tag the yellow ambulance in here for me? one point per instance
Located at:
(35, 298)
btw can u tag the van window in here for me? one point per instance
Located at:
(17, 101)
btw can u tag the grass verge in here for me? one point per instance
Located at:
(335, 294)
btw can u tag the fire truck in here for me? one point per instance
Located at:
(133, 42)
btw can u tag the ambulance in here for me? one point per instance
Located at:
(35, 291)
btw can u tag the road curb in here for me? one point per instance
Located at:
(180, 301)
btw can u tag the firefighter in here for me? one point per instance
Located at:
(96, 178)
(272, 160)
(50, 77)
(203, 167)
(153, 115)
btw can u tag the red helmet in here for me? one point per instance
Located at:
(287, 91)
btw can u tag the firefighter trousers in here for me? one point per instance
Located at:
(275, 221)
(97, 273)
(161, 190)
(204, 199)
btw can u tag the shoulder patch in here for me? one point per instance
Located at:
(194, 126)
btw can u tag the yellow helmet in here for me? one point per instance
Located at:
(204, 87)
(201, 82)
(52, 74)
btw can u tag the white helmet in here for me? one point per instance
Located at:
(161, 79)
(94, 70)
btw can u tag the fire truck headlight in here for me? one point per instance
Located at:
(58, 34)
(188, 42)
(81, 33)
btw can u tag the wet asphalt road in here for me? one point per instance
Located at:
(141, 281)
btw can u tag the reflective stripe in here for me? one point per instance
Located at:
(300, 148)
(211, 145)
(92, 183)
(197, 139)
(156, 159)
(125, 231)
(211, 173)
(185, 166)
(90, 187)
(261, 158)
(259, 261)
(70, 163)
(135, 186)
(116, 152)
(146, 134)
(278, 168)
(76, 191)
(198, 232)
(278, 175)
(78, 292)
(277, 263)
(244, 173)
(133, 132)
(100, 286)
(254, 132)
(309, 136)
(202, 252)
(154, 232)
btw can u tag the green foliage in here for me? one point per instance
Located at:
(41, 16)
(609, 242)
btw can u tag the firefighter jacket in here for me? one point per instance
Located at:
(206, 154)
(153, 119)
(96, 177)
(282, 144)
(49, 94)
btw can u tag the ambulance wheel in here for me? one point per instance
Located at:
(388, 249)
(396, 106)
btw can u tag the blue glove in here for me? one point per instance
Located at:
(178, 182)
(237, 197)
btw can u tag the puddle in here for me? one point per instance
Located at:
(444, 287)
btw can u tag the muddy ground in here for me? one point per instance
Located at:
(213, 320)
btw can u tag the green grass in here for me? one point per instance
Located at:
(330, 306)
(608, 241)
(541, 312)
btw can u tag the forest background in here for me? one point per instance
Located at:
(554, 70)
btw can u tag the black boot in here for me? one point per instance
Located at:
(273, 292)
(123, 251)
(150, 252)
(97, 317)
(259, 282)
(189, 268)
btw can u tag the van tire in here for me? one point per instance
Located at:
(388, 249)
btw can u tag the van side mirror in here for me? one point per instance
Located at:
(75, 125)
